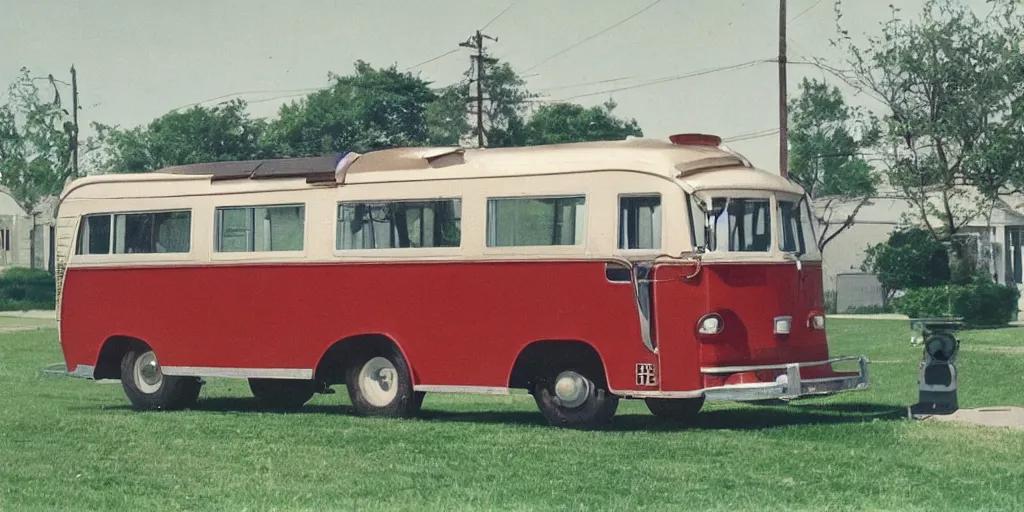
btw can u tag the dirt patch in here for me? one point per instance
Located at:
(1010, 417)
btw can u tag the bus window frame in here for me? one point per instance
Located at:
(398, 253)
(577, 249)
(662, 239)
(218, 255)
(111, 257)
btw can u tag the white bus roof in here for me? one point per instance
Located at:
(694, 166)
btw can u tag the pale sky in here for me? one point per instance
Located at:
(137, 60)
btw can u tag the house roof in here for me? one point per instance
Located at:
(888, 208)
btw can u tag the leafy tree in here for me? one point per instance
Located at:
(447, 123)
(827, 139)
(371, 109)
(951, 82)
(36, 142)
(910, 258)
(199, 134)
(568, 122)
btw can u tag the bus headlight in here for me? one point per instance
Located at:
(783, 324)
(816, 322)
(710, 323)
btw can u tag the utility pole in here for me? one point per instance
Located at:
(74, 119)
(476, 42)
(783, 105)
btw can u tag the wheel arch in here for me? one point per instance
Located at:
(330, 367)
(108, 362)
(541, 354)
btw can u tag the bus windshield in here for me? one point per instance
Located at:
(739, 225)
(797, 236)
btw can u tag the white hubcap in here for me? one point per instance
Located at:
(378, 380)
(148, 376)
(572, 389)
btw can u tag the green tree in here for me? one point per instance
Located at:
(370, 109)
(827, 140)
(910, 258)
(199, 134)
(951, 84)
(36, 142)
(568, 122)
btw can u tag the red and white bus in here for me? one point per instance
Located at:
(672, 272)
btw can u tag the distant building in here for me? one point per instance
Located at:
(998, 236)
(26, 239)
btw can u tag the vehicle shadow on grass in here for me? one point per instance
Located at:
(745, 417)
(740, 418)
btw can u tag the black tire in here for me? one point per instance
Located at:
(282, 394)
(675, 409)
(172, 393)
(405, 402)
(596, 410)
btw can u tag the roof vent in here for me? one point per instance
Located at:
(695, 139)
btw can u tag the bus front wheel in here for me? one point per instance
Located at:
(675, 409)
(149, 389)
(282, 394)
(572, 399)
(380, 384)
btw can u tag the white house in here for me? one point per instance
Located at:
(997, 233)
(26, 240)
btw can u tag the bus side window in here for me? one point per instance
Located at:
(261, 228)
(399, 224)
(152, 232)
(521, 222)
(94, 235)
(640, 222)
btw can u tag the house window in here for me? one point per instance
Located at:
(535, 221)
(152, 232)
(399, 224)
(261, 228)
(640, 222)
(94, 235)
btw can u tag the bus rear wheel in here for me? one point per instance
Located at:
(149, 389)
(282, 394)
(380, 384)
(572, 399)
(675, 409)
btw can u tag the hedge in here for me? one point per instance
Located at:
(982, 304)
(24, 289)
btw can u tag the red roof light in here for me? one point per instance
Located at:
(695, 139)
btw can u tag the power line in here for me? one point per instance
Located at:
(768, 132)
(428, 61)
(671, 79)
(584, 84)
(242, 93)
(805, 11)
(592, 36)
(498, 16)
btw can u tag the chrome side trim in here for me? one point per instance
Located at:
(83, 371)
(785, 366)
(657, 394)
(485, 390)
(239, 373)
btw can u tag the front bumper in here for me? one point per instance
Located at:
(788, 385)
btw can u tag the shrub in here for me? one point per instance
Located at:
(831, 301)
(25, 288)
(980, 304)
(910, 258)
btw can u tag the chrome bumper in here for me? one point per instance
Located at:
(789, 385)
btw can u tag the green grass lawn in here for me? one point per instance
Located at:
(73, 444)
